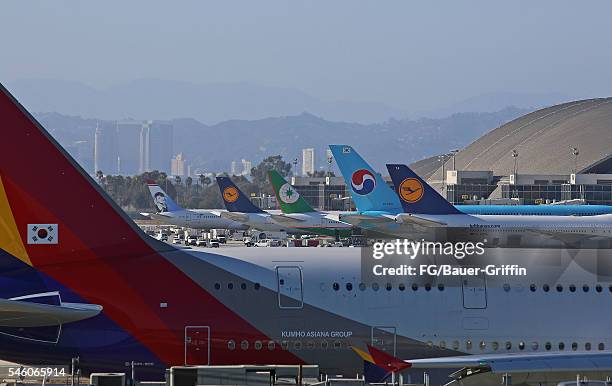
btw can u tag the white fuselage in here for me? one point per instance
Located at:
(198, 219)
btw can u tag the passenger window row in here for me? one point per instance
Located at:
(242, 286)
(495, 345)
(559, 288)
(388, 286)
(258, 345)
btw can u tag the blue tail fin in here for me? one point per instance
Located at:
(234, 199)
(163, 201)
(368, 189)
(415, 194)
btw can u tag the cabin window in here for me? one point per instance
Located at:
(401, 286)
(388, 286)
(415, 286)
(601, 347)
(362, 286)
(217, 286)
(546, 287)
(587, 346)
(585, 288)
(427, 287)
(521, 345)
(534, 346)
(349, 286)
(574, 346)
(482, 345)
(532, 288)
(495, 345)
(455, 345)
(561, 346)
(559, 288)
(375, 286)
(598, 288)
(257, 286)
(230, 286)
(231, 345)
(271, 345)
(441, 287)
(336, 286)
(572, 288)
(468, 344)
(548, 346)
(244, 345)
(507, 287)
(297, 345)
(243, 286)
(258, 345)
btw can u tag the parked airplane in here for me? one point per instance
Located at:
(170, 213)
(146, 302)
(372, 194)
(425, 210)
(299, 215)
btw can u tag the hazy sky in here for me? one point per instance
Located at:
(409, 54)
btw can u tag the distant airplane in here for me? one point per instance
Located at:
(299, 215)
(78, 278)
(170, 213)
(424, 209)
(371, 193)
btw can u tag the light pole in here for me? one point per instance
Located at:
(295, 161)
(442, 158)
(515, 155)
(454, 153)
(575, 153)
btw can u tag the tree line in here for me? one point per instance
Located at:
(132, 193)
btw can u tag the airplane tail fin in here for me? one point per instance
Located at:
(416, 195)
(163, 201)
(288, 198)
(368, 189)
(234, 199)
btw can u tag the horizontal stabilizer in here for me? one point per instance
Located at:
(520, 363)
(19, 313)
(235, 216)
(411, 219)
(285, 219)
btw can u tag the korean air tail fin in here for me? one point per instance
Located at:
(234, 199)
(163, 201)
(416, 195)
(288, 198)
(368, 189)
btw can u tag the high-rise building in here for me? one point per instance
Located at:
(246, 167)
(308, 161)
(234, 168)
(156, 146)
(128, 147)
(105, 148)
(178, 166)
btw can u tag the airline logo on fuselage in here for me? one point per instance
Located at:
(230, 194)
(411, 190)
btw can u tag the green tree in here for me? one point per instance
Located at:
(260, 172)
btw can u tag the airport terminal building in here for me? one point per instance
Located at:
(557, 154)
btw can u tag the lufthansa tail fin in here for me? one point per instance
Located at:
(234, 199)
(288, 198)
(163, 201)
(367, 187)
(416, 195)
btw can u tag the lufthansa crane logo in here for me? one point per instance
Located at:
(411, 190)
(230, 194)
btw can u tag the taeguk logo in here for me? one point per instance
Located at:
(363, 182)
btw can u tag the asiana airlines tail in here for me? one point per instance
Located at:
(79, 278)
